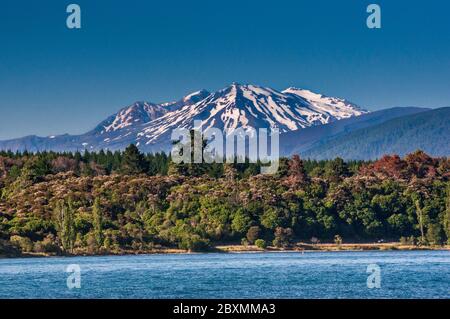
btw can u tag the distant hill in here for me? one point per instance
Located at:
(297, 142)
(428, 131)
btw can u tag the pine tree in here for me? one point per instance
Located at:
(133, 161)
(196, 165)
(336, 169)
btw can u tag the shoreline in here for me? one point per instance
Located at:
(236, 248)
(331, 247)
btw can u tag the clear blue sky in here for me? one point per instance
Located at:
(55, 80)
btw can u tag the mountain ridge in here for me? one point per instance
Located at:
(148, 125)
(427, 131)
(297, 142)
(313, 125)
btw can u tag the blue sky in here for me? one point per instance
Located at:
(54, 80)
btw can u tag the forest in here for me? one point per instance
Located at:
(129, 202)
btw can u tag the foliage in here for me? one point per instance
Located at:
(426, 130)
(253, 234)
(133, 161)
(261, 243)
(105, 202)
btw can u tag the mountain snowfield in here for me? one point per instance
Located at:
(139, 112)
(242, 106)
(149, 125)
(250, 106)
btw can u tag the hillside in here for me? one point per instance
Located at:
(128, 202)
(297, 142)
(428, 131)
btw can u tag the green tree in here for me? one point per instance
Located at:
(336, 169)
(197, 165)
(420, 219)
(97, 222)
(271, 218)
(261, 243)
(241, 222)
(133, 162)
(446, 222)
(64, 224)
(434, 235)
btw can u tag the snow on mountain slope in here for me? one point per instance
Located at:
(149, 125)
(137, 113)
(187, 100)
(144, 112)
(335, 107)
(252, 106)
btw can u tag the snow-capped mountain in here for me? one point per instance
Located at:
(145, 112)
(149, 125)
(253, 106)
(187, 100)
(138, 113)
(337, 108)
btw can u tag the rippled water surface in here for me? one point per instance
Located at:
(404, 274)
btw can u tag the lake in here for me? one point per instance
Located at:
(403, 274)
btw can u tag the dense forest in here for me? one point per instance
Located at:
(118, 202)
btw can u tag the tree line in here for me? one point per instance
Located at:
(115, 202)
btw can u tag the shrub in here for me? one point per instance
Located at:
(261, 243)
(194, 243)
(23, 243)
(244, 242)
(407, 240)
(283, 237)
(253, 234)
(46, 246)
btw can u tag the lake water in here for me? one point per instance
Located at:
(404, 274)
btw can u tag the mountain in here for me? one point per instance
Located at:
(145, 112)
(428, 131)
(297, 142)
(149, 125)
(187, 100)
(139, 112)
(251, 106)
